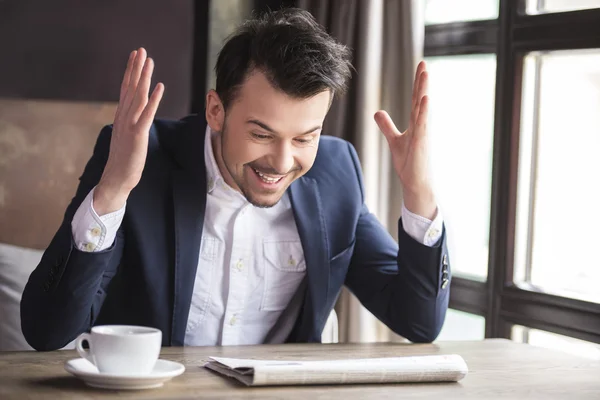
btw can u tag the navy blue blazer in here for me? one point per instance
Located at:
(147, 276)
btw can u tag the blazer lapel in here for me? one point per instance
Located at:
(308, 213)
(189, 201)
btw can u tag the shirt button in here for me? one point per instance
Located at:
(233, 319)
(90, 246)
(433, 233)
(291, 261)
(239, 265)
(95, 232)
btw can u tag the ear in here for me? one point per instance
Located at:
(215, 112)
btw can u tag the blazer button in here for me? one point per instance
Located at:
(444, 283)
(47, 286)
(445, 260)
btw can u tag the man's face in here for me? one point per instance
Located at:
(267, 139)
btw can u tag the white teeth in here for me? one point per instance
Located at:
(267, 179)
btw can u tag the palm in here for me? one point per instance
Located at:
(409, 148)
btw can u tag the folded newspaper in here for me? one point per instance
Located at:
(438, 368)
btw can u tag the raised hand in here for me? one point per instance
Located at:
(129, 141)
(410, 151)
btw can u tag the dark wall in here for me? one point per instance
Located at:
(61, 65)
(77, 49)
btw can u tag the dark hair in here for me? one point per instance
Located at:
(293, 51)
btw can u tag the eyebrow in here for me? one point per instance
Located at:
(271, 130)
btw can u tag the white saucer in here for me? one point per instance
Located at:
(163, 371)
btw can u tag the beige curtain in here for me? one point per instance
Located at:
(387, 41)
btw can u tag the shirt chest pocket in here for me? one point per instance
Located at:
(284, 269)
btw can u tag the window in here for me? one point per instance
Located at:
(443, 11)
(521, 202)
(462, 326)
(462, 121)
(559, 189)
(553, 341)
(552, 6)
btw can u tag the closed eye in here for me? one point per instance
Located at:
(260, 136)
(303, 141)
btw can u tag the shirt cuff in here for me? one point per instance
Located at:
(91, 232)
(421, 229)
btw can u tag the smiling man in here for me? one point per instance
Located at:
(241, 226)
(268, 139)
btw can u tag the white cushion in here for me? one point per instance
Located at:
(16, 264)
(330, 332)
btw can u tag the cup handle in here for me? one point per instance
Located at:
(87, 354)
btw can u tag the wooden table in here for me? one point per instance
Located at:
(497, 369)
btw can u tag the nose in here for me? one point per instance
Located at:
(282, 159)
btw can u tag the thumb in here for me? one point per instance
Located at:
(386, 125)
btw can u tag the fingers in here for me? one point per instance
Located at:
(136, 72)
(419, 108)
(125, 84)
(127, 75)
(386, 125)
(422, 117)
(141, 95)
(424, 84)
(149, 112)
(421, 87)
(420, 69)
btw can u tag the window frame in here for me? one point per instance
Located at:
(514, 34)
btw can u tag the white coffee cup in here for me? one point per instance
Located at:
(121, 349)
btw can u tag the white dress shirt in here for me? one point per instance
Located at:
(251, 262)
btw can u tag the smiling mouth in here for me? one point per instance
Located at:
(272, 179)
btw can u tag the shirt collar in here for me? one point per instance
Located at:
(212, 169)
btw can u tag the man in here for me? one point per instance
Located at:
(241, 227)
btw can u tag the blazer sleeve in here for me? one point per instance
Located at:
(65, 292)
(404, 284)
